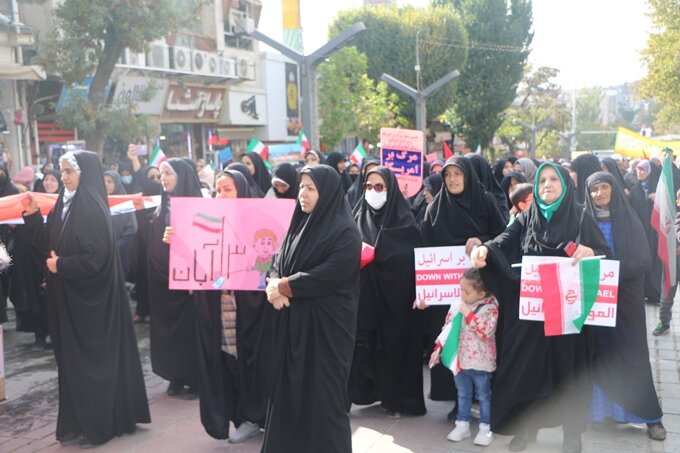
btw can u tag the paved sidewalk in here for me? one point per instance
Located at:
(28, 416)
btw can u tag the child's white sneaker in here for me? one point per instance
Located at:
(484, 437)
(460, 432)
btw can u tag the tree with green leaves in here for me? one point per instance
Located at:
(350, 103)
(539, 102)
(499, 33)
(87, 39)
(663, 65)
(390, 47)
(589, 118)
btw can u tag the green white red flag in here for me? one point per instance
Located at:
(358, 154)
(449, 338)
(256, 146)
(157, 156)
(302, 141)
(663, 221)
(569, 293)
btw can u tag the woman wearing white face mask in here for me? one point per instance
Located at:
(387, 364)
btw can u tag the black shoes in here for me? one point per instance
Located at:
(522, 439)
(656, 431)
(175, 388)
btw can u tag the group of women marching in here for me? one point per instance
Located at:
(325, 334)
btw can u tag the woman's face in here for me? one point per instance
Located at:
(574, 176)
(341, 166)
(69, 176)
(428, 195)
(518, 168)
(507, 168)
(513, 183)
(280, 187)
(50, 184)
(549, 186)
(601, 194)
(309, 195)
(374, 179)
(225, 187)
(353, 170)
(435, 169)
(168, 177)
(248, 162)
(311, 160)
(641, 173)
(454, 179)
(110, 185)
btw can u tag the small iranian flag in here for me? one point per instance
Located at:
(256, 146)
(302, 141)
(157, 156)
(569, 292)
(450, 337)
(207, 223)
(663, 221)
(358, 154)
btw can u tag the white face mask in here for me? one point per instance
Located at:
(376, 200)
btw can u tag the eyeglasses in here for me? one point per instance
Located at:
(377, 187)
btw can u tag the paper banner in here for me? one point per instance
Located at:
(438, 273)
(225, 243)
(603, 312)
(631, 144)
(402, 152)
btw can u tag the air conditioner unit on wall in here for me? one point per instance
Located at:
(243, 25)
(213, 65)
(200, 59)
(181, 59)
(228, 68)
(131, 58)
(158, 56)
(245, 68)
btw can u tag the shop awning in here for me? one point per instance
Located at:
(13, 71)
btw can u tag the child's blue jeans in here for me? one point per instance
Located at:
(477, 383)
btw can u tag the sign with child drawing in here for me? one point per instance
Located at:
(438, 273)
(225, 243)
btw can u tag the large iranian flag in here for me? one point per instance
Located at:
(663, 221)
(449, 338)
(569, 292)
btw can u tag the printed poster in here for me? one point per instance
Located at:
(438, 273)
(402, 152)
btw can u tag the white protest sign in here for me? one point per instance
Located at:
(438, 273)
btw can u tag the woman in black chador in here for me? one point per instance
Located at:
(101, 386)
(258, 171)
(173, 344)
(462, 213)
(540, 381)
(624, 386)
(314, 285)
(388, 359)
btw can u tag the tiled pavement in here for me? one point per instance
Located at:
(27, 417)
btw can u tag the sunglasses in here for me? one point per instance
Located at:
(377, 187)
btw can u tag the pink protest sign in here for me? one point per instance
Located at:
(225, 243)
(603, 312)
(402, 152)
(438, 273)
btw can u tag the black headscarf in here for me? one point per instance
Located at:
(613, 169)
(255, 190)
(191, 163)
(396, 212)
(507, 179)
(119, 189)
(584, 166)
(453, 219)
(287, 174)
(630, 248)
(356, 191)
(486, 177)
(311, 236)
(433, 183)
(41, 188)
(6, 185)
(567, 223)
(242, 189)
(188, 185)
(332, 160)
(498, 168)
(261, 176)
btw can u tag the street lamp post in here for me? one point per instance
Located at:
(307, 65)
(420, 96)
(533, 128)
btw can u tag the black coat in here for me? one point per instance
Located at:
(540, 381)
(101, 386)
(315, 335)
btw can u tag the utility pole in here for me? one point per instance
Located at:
(418, 95)
(533, 128)
(308, 65)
